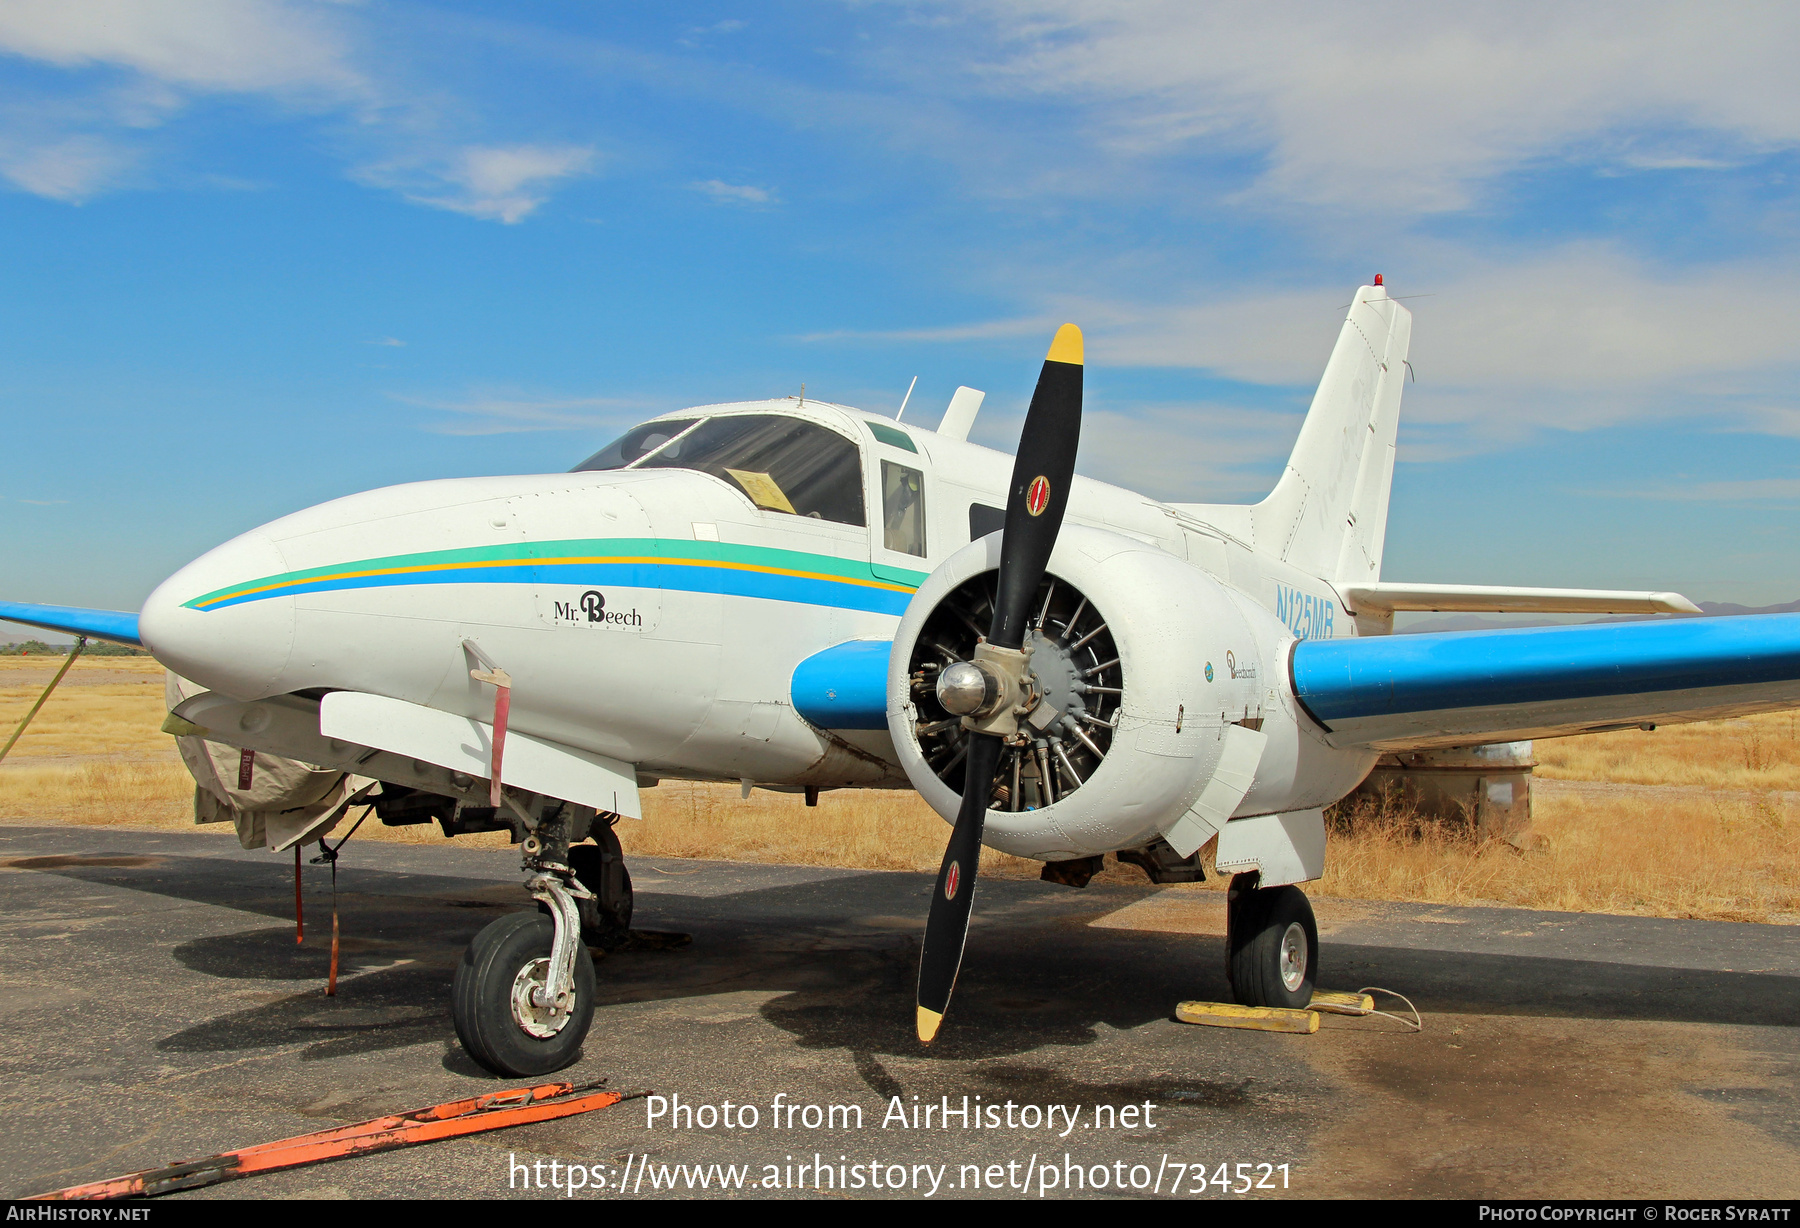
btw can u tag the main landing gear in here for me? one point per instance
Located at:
(523, 996)
(1271, 944)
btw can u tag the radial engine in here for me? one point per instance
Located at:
(1137, 666)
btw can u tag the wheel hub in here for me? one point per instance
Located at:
(1293, 956)
(531, 1010)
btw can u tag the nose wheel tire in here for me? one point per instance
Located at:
(1272, 951)
(497, 1000)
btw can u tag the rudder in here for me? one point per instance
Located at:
(1328, 514)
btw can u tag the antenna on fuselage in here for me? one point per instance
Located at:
(907, 397)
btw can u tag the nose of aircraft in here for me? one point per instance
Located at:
(198, 623)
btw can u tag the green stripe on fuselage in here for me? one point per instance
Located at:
(674, 550)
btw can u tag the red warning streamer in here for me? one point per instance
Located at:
(496, 1111)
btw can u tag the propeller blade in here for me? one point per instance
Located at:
(1034, 512)
(1040, 485)
(947, 926)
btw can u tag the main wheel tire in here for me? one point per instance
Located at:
(1273, 948)
(606, 919)
(489, 999)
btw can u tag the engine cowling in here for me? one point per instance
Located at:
(1141, 660)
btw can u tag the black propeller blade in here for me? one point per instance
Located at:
(1042, 471)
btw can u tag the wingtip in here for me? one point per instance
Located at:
(1067, 347)
(928, 1022)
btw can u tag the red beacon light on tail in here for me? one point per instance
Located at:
(1378, 279)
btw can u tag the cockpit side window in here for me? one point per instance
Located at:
(902, 509)
(634, 444)
(783, 464)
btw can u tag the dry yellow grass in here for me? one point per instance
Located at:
(870, 829)
(1719, 858)
(96, 753)
(1757, 753)
(96, 756)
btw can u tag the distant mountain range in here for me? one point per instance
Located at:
(1482, 622)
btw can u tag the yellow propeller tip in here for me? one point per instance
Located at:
(928, 1025)
(1067, 347)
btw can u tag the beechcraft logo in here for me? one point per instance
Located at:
(1037, 498)
(952, 880)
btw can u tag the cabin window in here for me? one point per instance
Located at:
(783, 464)
(634, 444)
(902, 509)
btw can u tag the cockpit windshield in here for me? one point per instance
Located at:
(783, 464)
(633, 444)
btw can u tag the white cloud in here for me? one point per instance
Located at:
(1581, 317)
(736, 193)
(135, 65)
(70, 169)
(979, 331)
(243, 46)
(1207, 453)
(506, 414)
(1397, 107)
(1574, 338)
(1747, 490)
(498, 183)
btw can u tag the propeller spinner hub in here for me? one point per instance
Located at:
(965, 689)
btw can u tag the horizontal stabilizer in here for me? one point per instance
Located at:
(1384, 598)
(1398, 692)
(116, 625)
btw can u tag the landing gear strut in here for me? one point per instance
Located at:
(1271, 944)
(523, 995)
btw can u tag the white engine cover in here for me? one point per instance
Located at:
(1171, 719)
(1197, 658)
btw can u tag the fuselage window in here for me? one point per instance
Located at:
(902, 509)
(782, 464)
(634, 444)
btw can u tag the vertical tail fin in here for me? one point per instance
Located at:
(1328, 514)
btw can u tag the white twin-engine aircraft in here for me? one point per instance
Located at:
(802, 596)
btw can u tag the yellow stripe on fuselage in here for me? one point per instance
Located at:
(236, 594)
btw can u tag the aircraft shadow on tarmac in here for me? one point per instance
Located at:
(1035, 975)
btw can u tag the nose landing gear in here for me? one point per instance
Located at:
(1271, 944)
(523, 995)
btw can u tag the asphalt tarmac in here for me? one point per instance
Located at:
(154, 1007)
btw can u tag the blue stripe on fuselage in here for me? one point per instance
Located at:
(731, 582)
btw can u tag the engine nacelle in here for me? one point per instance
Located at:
(1142, 662)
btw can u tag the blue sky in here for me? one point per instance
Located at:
(260, 253)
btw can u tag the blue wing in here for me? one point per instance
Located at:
(1395, 692)
(115, 625)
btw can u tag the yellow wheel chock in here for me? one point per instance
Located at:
(1258, 1018)
(1272, 1018)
